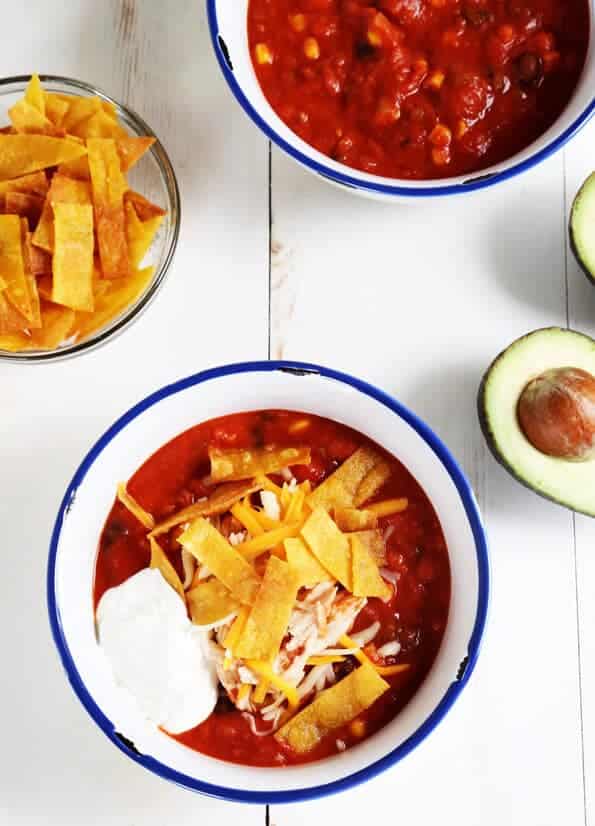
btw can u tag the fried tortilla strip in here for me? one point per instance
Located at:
(367, 582)
(160, 561)
(232, 465)
(56, 108)
(329, 546)
(35, 321)
(144, 208)
(14, 342)
(372, 482)
(268, 620)
(388, 507)
(131, 149)
(38, 262)
(130, 503)
(11, 320)
(109, 186)
(80, 109)
(340, 488)
(34, 94)
(211, 602)
(22, 154)
(110, 304)
(210, 548)
(334, 707)
(140, 234)
(12, 266)
(36, 183)
(27, 120)
(309, 570)
(221, 500)
(352, 519)
(26, 205)
(99, 125)
(72, 264)
(63, 189)
(57, 326)
(375, 544)
(78, 169)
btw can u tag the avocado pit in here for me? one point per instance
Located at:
(556, 412)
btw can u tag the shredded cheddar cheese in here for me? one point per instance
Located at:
(265, 670)
(383, 670)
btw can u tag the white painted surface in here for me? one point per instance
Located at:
(417, 299)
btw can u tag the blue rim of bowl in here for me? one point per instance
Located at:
(478, 181)
(449, 697)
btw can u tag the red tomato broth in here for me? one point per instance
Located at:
(419, 89)
(173, 478)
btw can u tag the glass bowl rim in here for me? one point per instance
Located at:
(168, 176)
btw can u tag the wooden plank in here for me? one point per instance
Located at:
(162, 64)
(419, 299)
(580, 162)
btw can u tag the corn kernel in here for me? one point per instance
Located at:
(303, 424)
(436, 79)
(441, 155)
(297, 22)
(374, 38)
(550, 59)
(440, 135)
(358, 728)
(460, 129)
(311, 48)
(263, 54)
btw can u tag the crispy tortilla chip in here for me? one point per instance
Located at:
(374, 542)
(26, 205)
(14, 342)
(57, 326)
(130, 503)
(367, 582)
(34, 94)
(352, 519)
(11, 320)
(210, 548)
(268, 620)
(329, 545)
(144, 208)
(220, 501)
(78, 169)
(43, 237)
(160, 561)
(12, 266)
(27, 120)
(210, 602)
(131, 149)
(65, 190)
(140, 234)
(79, 110)
(388, 507)
(340, 489)
(99, 125)
(231, 465)
(268, 541)
(372, 482)
(35, 321)
(110, 304)
(72, 264)
(21, 154)
(309, 570)
(334, 707)
(109, 186)
(35, 183)
(44, 286)
(55, 108)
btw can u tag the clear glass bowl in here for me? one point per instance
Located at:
(153, 176)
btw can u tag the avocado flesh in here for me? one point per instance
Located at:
(567, 482)
(582, 227)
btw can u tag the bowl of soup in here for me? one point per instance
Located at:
(272, 598)
(410, 98)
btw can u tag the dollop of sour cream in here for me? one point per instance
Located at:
(156, 653)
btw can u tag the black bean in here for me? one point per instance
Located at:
(530, 68)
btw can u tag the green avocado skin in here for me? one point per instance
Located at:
(486, 429)
(585, 193)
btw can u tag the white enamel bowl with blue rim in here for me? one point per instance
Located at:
(229, 34)
(161, 417)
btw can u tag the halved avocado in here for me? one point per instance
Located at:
(582, 227)
(570, 483)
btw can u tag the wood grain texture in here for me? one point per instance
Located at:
(419, 299)
(57, 768)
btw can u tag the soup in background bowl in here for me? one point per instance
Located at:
(331, 493)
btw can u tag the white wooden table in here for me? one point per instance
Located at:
(418, 300)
